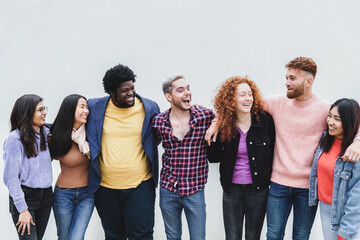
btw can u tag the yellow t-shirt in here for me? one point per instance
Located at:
(123, 161)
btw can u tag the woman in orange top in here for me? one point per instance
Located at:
(334, 182)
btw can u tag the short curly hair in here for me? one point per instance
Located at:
(225, 105)
(117, 75)
(303, 63)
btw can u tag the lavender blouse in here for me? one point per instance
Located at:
(34, 172)
(242, 174)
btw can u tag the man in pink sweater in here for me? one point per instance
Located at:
(300, 120)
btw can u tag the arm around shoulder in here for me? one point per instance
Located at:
(352, 153)
(270, 103)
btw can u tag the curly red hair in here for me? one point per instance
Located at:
(225, 105)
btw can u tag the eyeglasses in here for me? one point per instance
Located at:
(43, 109)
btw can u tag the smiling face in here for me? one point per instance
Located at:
(244, 98)
(124, 97)
(81, 113)
(334, 123)
(39, 116)
(180, 96)
(295, 82)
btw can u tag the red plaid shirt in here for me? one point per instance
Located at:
(184, 165)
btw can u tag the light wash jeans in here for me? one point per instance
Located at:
(280, 201)
(72, 209)
(172, 204)
(325, 213)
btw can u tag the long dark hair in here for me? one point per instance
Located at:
(60, 141)
(22, 119)
(349, 111)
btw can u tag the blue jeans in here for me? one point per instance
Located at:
(172, 204)
(280, 201)
(39, 201)
(127, 213)
(325, 215)
(244, 200)
(72, 209)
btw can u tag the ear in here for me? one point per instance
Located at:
(309, 81)
(112, 96)
(168, 97)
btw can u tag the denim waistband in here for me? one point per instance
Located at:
(75, 188)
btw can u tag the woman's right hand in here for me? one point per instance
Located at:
(25, 219)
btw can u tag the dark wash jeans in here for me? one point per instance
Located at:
(127, 213)
(281, 200)
(244, 200)
(39, 201)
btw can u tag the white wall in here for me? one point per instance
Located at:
(54, 48)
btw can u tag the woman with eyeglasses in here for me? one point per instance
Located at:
(73, 204)
(244, 147)
(27, 171)
(334, 182)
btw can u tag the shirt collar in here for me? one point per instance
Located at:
(193, 113)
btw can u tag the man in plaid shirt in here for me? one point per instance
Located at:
(184, 166)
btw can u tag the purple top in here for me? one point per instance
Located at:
(34, 172)
(242, 174)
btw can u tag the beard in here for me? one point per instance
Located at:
(178, 104)
(295, 92)
(122, 103)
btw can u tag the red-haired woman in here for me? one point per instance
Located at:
(244, 148)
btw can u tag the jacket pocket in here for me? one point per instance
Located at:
(263, 146)
(345, 176)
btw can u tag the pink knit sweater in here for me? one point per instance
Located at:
(299, 126)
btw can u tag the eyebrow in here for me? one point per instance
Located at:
(184, 87)
(334, 115)
(133, 87)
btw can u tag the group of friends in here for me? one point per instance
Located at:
(275, 154)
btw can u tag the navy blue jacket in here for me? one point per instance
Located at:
(94, 130)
